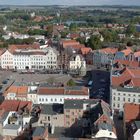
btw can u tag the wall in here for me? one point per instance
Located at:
(121, 97)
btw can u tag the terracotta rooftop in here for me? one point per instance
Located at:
(17, 90)
(132, 64)
(131, 112)
(85, 50)
(14, 105)
(50, 91)
(66, 43)
(109, 50)
(126, 74)
(63, 91)
(127, 51)
(12, 48)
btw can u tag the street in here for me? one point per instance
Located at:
(101, 85)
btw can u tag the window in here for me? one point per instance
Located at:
(118, 105)
(46, 99)
(128, 99)
(48, 118)
(55, 99)
(124, 94)
(124, 99)
(67, 116)
(72, 113)
(139, 100)
(73, 120)
(113, 105)
(51, 99)
(134, 100)
(114, 98)
(40, 99)
(118, 98)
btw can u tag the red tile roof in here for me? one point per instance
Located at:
(127, 51)
(109, 50)
(127, 74)
(131, 112)
(62, 91)
(18, 90)
(12, 48)
(10, 105)
(85, 50)
(50, 91)
(14, 105)
(127, 63)
(67, 43)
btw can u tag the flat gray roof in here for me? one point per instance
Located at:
(11, 126)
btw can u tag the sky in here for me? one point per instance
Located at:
(70, 2)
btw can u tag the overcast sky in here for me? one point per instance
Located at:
(70, 2)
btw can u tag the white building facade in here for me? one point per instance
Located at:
(30, 59)
(59, 99)
(7, 60)
(120, 96)
(76, 62)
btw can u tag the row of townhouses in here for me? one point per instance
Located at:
(125, 84)
(107, 55)
(29, 58)
(21, 57)
(45, 94)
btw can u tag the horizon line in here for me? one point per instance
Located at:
(69, 5)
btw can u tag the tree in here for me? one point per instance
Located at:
(94, 42)
(131, 29)
(73, 27)
(71, 83)
(109, 35)
(81, 40)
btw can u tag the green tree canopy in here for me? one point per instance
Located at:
(94, 42)
(131, 29)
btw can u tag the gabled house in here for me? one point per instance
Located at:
(76, 62)
(92, 116)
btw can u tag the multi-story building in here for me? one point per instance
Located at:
(76, 62)
(7, 60)
(50, 95)
(16, 92)
(45, 95)
(15, 117)
(104, 56)
(21, 59)
(125, 87)
(122, 95)
(131, 121)
(89, 115)
(51, 115)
